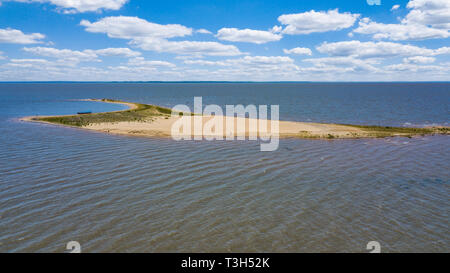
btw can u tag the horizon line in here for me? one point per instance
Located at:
(224, 82)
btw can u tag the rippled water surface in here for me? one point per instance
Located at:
(128, 194)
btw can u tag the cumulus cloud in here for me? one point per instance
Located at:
(276, 29)
(298, 51)
(247, 35)
(263, 60)
(186, 47)
(419, 60)
(376, 49)
(27, 63)
(74, 6)
(442, 50)
(63, 54)
(247, 60)
(73, 57)
(250, 67)
(427, 19)
(203, 31)
(154, 37)
(142, 62)
(398, 32)
(125, 27)
(54, 71)
(14, 36)
(435, 13)
(205, 62)
(313, 21)
(348, 63)
(395, 7)
(257, 68)
(125, 52)
(408, 67)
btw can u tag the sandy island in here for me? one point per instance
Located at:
(155, 121)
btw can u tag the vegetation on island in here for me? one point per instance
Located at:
(387, 131)
(141, 112)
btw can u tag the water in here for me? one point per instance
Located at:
(129, 194)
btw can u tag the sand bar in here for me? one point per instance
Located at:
(155, 121)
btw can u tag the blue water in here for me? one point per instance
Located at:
(121, 194)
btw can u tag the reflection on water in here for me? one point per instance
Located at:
(123, 194)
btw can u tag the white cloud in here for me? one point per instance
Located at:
(73, 57)
(249, 67)
(59, 69)
(427, 19)
(395, 7)
(263, 68)
(14, 36)
(398, 32)
(125, 27)
(63, 54)
(141, 62)
(312, 21)
(442, 51)
(263, 60)
(73, 6)
(1, 56)
(419, 60)
(407, 67)
(256, 68)
(27, 63)
(377, 49)
(247, 35)
(298, 51)
(187, 47)
(154, 37)
(203, 31)
(247, 60)
(204, 62)
(276, 29)
(125, 52)
(435, 13)
(348, 63)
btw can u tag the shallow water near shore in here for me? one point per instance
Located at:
(130, 194)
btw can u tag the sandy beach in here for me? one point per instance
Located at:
(159, 124)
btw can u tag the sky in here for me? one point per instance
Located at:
(224, 40)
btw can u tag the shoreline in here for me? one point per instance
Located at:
(155, 121)
(130, 105)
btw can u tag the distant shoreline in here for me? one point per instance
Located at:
(262, 82)
(155, 121)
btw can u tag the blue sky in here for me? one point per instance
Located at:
(135, 40)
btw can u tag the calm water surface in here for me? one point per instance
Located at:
(128, 194)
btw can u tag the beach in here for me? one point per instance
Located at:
(138, 120)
